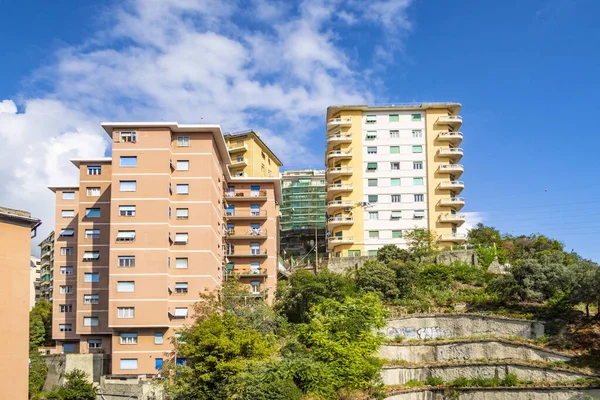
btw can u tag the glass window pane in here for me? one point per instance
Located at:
(128, 161)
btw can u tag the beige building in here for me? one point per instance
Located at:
(146, 231)
(16, 230)
(250, 156)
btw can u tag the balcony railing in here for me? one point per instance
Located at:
(450, 120)
(246, 233)
(336, 122)
(239, 194)
(450, 136)
(338, 187)
(233, 147)
(453, 237)
(248, 253)
(246, 214)
(451, 152)
(247, 272)
(340, 221)
(340, 137)
(452, 168)
(457, 218)
(339, 170)
(239, 161)
(339, 154)
(453, 201)
(452, 185)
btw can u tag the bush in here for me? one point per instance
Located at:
(375, 277)
(76, 387)
(434, 381)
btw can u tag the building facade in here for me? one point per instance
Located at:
(16, 230)
(391, 169)
(148, 230)
(35, 290)
(250, 156)
(47, 267)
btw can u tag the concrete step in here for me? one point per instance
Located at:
(510, 393)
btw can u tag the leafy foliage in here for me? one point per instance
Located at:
(391, 252)
(40, 324)
(422, 244)
(76, 387)
(375, 277)
(37, 373)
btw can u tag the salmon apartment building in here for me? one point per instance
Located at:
(174, 212)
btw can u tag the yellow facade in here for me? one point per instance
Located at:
(250, 156)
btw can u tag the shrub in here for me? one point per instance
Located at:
(434, 381)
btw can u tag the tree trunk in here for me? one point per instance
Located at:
(587, 310)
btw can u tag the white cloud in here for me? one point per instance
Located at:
(471, 219)
(273, 66)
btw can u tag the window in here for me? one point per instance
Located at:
(255, 287)
(67, 232)
(66, 289)
(66, 308)
(419, 198)
(68, 347)
(396, 198)
(372, 150)
(128, 363)
(394, 118)
(128, 338)
(418, 165)
(395, 166)
(92, 233)
(181, 263)
(418, 181)
(254, 248)
(373, 234)
(128, 137)
(415, 117)
(66, 270)
(371, 135)
(183, 165)
(372, 166)
(125, 312)
(170, 213)
(373, 253)
(158, 364)
(419, 214)
(181, 312)
(395, 181)
(91, 277)
(181, 238)
(254, 210)
(417, 149)
(181, 287)
(373, 198)
(170, 188)
(92, 212)
(125, 236)
(396, 215)
(126, 261)
(94, 170)
(182, 213)
(127, 211)
(396, 234)
(67, 213)
(394, 134)
(353, 253)
(65, 328)
(94, 344)
(125, 286)
(394, 149)
(263, 154)
(91, 255)
(158, 338)
(128, 161)
(183, 141)
(68, 196)
(91, 299)
(417, 133)
(90, 321)
(371, 119)
(373, 215)
(230, 210)
(93, 191)
(255, 268)
(372, 182)
(254, 190)
(127, 186)
(183, 188)
(66, 251)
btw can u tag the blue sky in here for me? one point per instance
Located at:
(525, 72)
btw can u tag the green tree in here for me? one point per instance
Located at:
(485, 236)
(391, 252)
(406, 275)
(37, 332)
(375, 277)
(40, 324)
(37, 372)
(539, 281)
(305, 290)
(77, 387)
(586, 284)
(422, 244)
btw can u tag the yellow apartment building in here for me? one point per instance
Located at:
(250, 156)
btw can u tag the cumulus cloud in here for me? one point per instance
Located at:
(269, 65)
(471, 219)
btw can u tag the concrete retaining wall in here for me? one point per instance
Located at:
(94, 365)
(343, 264)
(467, 350)
(129, 388)
(503, 394)
(455, 325)
(400, 375)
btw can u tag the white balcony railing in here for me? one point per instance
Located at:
(339, 170)
(339, 154)
(453, 217)
(340, 203)
(338, 187)
(452, 152)
(452, 185)
(453, 201)
(453, 237)
(340, 221)
(450, 119)
(452, 168)
(450, 136)
(337, 122)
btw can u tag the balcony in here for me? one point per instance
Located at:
(246, 233)
(249, 215)
(339, 171)
(454, 202)
(454, 169)
(453, 238)
(246, 195)
(338, 122)
(457, 219)
(235, 147)
(452, 137)
(339, 221)
(452, 120)
(339, 137)
(339, 154)
(337, 204)
(252, 253)
(338, 240)
(239, 162)
(451, 152)
(247, 273)
(335, 188)
(452, 185)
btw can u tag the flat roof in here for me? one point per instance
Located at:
(453, 106)
(54, 188)
(260, 141)
(20, 217)
(79, 161)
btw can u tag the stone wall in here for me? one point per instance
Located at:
(467, 350)
(466, 256)
(400, 375)
(517, 393)
(421, 327)
(343, 264)
(94, 365)
(120, 388)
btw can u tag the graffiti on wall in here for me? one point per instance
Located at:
(418, 333)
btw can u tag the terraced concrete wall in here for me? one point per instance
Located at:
(503, 394)
(489, 349)
(404, 374)
(455, 325)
